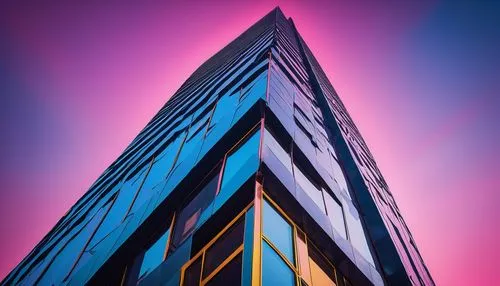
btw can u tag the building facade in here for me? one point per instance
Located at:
(252, 173)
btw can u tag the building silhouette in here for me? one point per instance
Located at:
(252, 173)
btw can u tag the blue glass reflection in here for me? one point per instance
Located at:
(154, 255)
(274, 269)
(240, 165)
(278, 231)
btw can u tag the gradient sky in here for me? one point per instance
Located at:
(420, 79)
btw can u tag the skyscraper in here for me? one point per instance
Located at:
(252, 173)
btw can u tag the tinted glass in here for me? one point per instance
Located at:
(154, 255)
(274, 270)
(276, 148)
(192, 274)
(335, 214)
(188, 217)
(278, 231)
(229, 275)
(303, 258)
(322, 273)
(312, 191)
(247, 151)
(223, 247)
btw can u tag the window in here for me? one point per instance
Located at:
(306, 184)
(229, 275)
(339, 176)
(303, 258)
(278, 150)
(190, 214)
(154, 255)
(220, 261)
(193, 273)
(335, 214)
(274, 269)
(278, 231)
(312, 268)
(223, 247)
(322, 273)
(65, 258)
(239, 166)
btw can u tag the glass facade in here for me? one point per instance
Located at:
(252, 173)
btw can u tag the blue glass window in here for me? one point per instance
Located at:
(274, 270)
(278, 231)
(154, 255)
(240, 165)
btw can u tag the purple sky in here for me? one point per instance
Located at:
(420, 79)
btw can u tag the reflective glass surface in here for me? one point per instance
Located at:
(229, 275)
(278, 231)
(306, 185)
(223, 247)
(192, 273)
(276, 148)
(274, 270)
(154, 255)
(188, 217)
(303, 258)
(335, 214)
(247, 152)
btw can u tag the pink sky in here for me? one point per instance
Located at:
(420, 80)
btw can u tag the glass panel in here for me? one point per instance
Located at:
(248, 247)
(189, 216)
(274, 270)
(192, 273)
(246, 152)
(223, 247)
(322, 273)
(154, 255)
(65, 259)
(229, 275)
(276, 148)
(303, 258)
(356, 233)
(240, 165)
(319, 277)
(114, 216)
(158, 172)
(278, 231)
(226, 105)
(335, 214)
(308, 187)
(339, 176)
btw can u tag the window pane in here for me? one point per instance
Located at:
(335, 214)
(154, 255)
(192, 274)
(276, 148)
(278, 231)
(247, 151)
(339, 176)
(322, 273)
(274, 270)
(223, 247)
(312, 191)
(303, 258)
(239, 166)
(229, 275)
(189, 216)
(319, 277)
